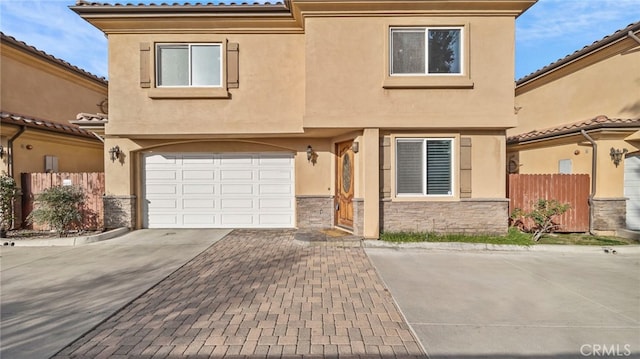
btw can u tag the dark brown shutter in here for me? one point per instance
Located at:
(233, 75)
(465, 167)
(145, 59)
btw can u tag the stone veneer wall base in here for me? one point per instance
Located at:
(119, 211)
(314, 211)
(609, 214)
(487, 216)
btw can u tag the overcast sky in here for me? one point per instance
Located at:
(548, 31)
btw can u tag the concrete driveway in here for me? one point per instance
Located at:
(517, 305)
(51, 295)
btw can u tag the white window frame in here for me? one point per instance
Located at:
(424, 166)
(189, 46)
(426, 29)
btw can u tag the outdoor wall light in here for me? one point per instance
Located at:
(616, 155)
(312, 156)
(115, 153)
(355, 146)
(1, 152)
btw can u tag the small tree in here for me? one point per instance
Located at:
(543, 216)
(8, 190)
(59, 207)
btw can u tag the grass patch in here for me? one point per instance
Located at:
(514, 237)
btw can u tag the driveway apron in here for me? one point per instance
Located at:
(259, 293)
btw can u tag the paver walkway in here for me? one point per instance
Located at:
(259, 293)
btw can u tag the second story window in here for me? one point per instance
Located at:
(189, 65)
(426, 51)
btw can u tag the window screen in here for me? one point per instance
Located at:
(189, 65)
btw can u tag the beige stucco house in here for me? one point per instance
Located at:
(581, 114)
(367, 115)
(39, 95)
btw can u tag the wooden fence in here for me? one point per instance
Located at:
(92, 184)
(525, 190)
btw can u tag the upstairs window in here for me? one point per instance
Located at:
(189, 65)
(426, 51)
(424, 167)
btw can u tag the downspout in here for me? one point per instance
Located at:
(10, 148)
(594, 172)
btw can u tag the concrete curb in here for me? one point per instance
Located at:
(479, 247)
(70, 241)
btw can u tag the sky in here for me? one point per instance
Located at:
(548, 31)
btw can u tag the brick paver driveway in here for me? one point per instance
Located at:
(259, 293)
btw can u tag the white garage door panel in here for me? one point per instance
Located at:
(632, 191)
(219, 190)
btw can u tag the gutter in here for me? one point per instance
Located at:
(10, 147)
(594, 172)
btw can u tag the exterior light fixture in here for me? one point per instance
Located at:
(1, 152)
(355, 147)
(115, 153)
(312, 156)
(616, 155)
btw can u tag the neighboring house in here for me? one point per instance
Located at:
(366, 115)
(39, 95)
(585, 103)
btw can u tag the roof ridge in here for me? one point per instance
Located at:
(586, 49)
(187, 3)
(42, 53)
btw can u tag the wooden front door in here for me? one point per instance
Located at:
(344, 184)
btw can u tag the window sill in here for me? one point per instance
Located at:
(427, 82)
(188, 93)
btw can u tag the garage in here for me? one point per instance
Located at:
(632, 191)
(210, 190)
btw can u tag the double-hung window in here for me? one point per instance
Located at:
(424, 167)
(189, 65)
(426, 51)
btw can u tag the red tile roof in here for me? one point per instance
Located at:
(599, 122)
(618, 35)
(28, 48)
(233, 6)
(19, 120)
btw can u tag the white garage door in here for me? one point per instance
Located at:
(200, 190)
(632, 191)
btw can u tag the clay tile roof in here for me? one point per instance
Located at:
(572, 128)
(28, 48)
(618, 35)
(19, 120)
(91, 118)
(220, 5)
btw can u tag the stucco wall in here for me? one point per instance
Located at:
(33, 88)
(346, 68)
(269, 98)
(608, 87)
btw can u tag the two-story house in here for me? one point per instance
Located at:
(39, 95)
(367, 115)
(581, 114)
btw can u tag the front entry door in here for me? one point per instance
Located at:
(344, 184)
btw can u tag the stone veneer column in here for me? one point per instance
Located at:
(609, 214)
(119, 211)
(358, 216)
(314, 211)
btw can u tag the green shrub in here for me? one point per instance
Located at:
(542, 215)
(59, 207)
(8, 190)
